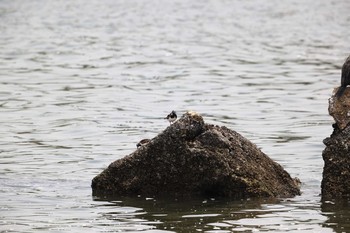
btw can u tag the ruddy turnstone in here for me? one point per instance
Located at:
(142, 142)
(171, 117)
(345, 77)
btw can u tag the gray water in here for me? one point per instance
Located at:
(81, 82)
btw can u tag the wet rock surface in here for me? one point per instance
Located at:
(336, 155)
(339, 108)
(191, 158)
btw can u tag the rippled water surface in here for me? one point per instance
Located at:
(81, 82)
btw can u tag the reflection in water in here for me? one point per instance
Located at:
(186, 215)
(337, 213)
(215, 214)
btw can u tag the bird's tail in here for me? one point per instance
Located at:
(340, 91)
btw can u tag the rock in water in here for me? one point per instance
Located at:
(191, 158)
(336, 155)
(339, 108)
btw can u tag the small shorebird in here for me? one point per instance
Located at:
(142, 142)
(171, 117)
(345, 77)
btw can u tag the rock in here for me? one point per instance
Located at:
(339, 108)
(336, 155)
(336, 171)
(191, 158)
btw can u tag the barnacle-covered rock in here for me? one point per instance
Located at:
(191, 158)
(336, 155)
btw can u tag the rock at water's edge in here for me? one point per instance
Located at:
(339, 108)
(191, 158)
(336, 155)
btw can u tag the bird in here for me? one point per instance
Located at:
(345, 77)
(142, 142)
(171, 117)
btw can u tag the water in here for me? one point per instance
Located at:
(82, 82)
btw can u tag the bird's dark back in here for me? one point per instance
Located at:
(345, 73)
